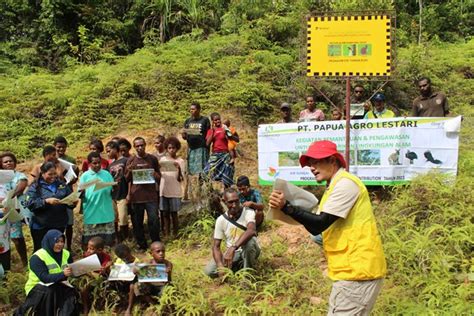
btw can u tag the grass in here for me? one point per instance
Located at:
(426, 228)
(427, 242)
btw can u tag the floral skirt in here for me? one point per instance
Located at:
(219, 168)
(106, 231)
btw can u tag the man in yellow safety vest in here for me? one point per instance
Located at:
(351, 242)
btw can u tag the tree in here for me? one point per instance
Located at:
(159, 11)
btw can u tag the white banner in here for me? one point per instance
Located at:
(383, 151)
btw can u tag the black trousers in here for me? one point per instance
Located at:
(55, 300)
(153, 222)
(5, 260)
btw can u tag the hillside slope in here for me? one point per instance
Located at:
(156, 85)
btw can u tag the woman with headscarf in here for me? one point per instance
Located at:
(47, 291)
(43, 199)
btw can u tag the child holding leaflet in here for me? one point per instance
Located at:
(95, 246)
(124, 256)
(148, 290)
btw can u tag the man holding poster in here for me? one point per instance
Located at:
(142, 173)
(351, 242)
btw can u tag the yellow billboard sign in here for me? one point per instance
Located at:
(349, 46)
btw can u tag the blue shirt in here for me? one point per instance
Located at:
(253, 196)
(97, 206)
(46, 215)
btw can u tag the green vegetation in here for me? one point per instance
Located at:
(96, 69)
(157, 84)
(54, 34)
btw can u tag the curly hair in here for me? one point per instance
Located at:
(172, 141)
(8, 154)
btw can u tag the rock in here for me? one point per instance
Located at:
(315, 300)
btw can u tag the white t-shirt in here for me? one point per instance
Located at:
(227, 230)
(342, 199)
(170, 187)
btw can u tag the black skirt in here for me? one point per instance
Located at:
(56, 299)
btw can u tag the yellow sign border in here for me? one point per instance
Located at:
(384, 64)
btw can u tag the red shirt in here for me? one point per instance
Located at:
(103, 164)
(220, 142)
(104, 258)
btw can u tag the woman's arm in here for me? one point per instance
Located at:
(209, 137)
(235, 137)
(34, 200)
(314, 223)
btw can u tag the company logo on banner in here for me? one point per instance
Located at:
(383, 151)
(348, 46)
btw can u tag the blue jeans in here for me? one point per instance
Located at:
(153, 222)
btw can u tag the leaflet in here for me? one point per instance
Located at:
(85, 265)
(296, 196)
(6, 176)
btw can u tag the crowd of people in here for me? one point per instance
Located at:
(428, 104)
(158, 182)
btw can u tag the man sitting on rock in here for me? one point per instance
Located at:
(238, 227)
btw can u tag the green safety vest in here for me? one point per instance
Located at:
(53, 267)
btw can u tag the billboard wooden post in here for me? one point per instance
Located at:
(348, 122)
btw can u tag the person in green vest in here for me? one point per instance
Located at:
(47, 290)
(351, 242)
(379, 111)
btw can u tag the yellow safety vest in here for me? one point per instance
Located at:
(385, 114)
(352, 245)
(52, 265)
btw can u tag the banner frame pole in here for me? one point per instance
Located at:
(348, 122)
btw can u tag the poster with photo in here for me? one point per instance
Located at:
(153, 273)
(143, 176)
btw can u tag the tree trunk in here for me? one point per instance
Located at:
(420, 3)
(162, 28)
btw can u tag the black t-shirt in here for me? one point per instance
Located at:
(203, 125)
(117, 170)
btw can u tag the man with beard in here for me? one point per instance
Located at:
(358, 97)
(429, 103)
(237, 226)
